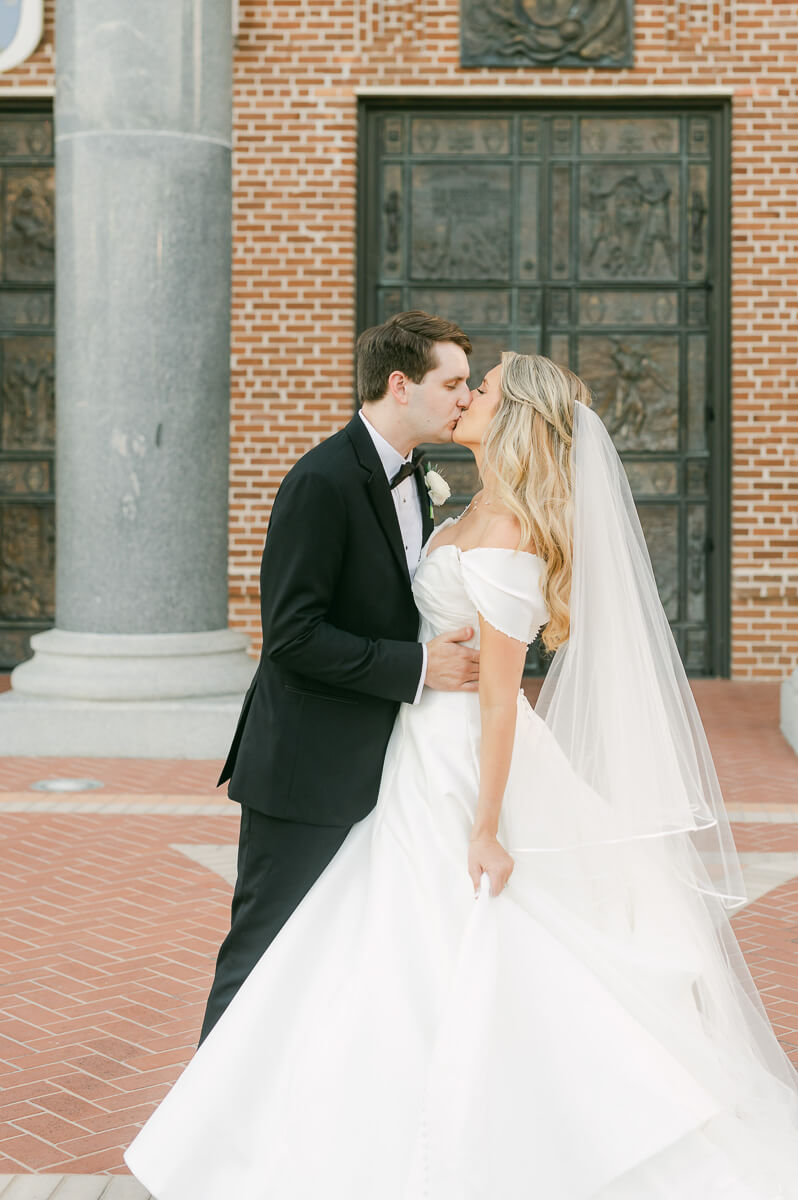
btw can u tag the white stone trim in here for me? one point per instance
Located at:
(222, 858)
(28, 36)
(789, 709)
(132, 806)
(18, 91)
(78, 1187)
(566, 90)
(763, 870)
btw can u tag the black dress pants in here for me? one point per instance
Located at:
(278, 862)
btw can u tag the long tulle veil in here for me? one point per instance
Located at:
(617, 698)
(617, 701)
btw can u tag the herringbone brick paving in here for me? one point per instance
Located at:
(108, 944)
(110, 932)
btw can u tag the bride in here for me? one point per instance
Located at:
(517, 977)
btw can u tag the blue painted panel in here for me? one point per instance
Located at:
(10, 17)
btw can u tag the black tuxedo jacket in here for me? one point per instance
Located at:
(339, 649)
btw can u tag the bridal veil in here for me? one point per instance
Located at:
(652, 819)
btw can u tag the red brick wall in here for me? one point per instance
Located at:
(296, 67)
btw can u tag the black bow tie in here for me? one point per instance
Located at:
(407, 469)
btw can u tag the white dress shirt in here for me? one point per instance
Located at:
(408, 512)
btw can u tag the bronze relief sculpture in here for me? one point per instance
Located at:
(563, 33)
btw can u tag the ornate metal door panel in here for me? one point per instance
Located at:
(596, 237)
(27, 380)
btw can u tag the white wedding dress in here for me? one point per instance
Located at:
(579, 1037)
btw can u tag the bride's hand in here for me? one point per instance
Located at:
(486, 853)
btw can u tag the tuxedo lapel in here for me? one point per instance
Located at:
(378, 490)
(427, 521)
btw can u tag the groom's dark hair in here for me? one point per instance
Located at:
(405, 343)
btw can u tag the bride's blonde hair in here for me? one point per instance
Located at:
(527, 456)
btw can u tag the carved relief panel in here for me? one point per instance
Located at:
(27, 382)
(460, 222)
(628, 221)
(564, 33)
(588, 238)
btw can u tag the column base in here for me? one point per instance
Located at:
(789, 709)
(153, 666)
(172, 695)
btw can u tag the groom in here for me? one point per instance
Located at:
(339, 632)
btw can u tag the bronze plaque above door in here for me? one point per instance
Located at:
(597, 235)
(27, 379)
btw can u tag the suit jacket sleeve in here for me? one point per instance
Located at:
(300, 569)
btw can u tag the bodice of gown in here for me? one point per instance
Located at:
(452, 587)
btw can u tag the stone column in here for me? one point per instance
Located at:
(141, 660)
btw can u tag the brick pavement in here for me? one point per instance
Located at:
(115, 901)
(108, 943)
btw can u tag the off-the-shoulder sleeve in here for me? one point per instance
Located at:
(504, 586)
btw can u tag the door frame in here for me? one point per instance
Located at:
(719, 425)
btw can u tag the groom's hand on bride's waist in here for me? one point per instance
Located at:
(452, 667)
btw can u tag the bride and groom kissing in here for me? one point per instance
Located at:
(340, 626)
(587, 1029)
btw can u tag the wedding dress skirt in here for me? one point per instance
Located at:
(579, 1037)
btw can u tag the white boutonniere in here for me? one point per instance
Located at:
(438, 488)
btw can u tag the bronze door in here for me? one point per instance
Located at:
(27, 379)
(597, 236)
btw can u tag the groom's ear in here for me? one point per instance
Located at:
(398, 386)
